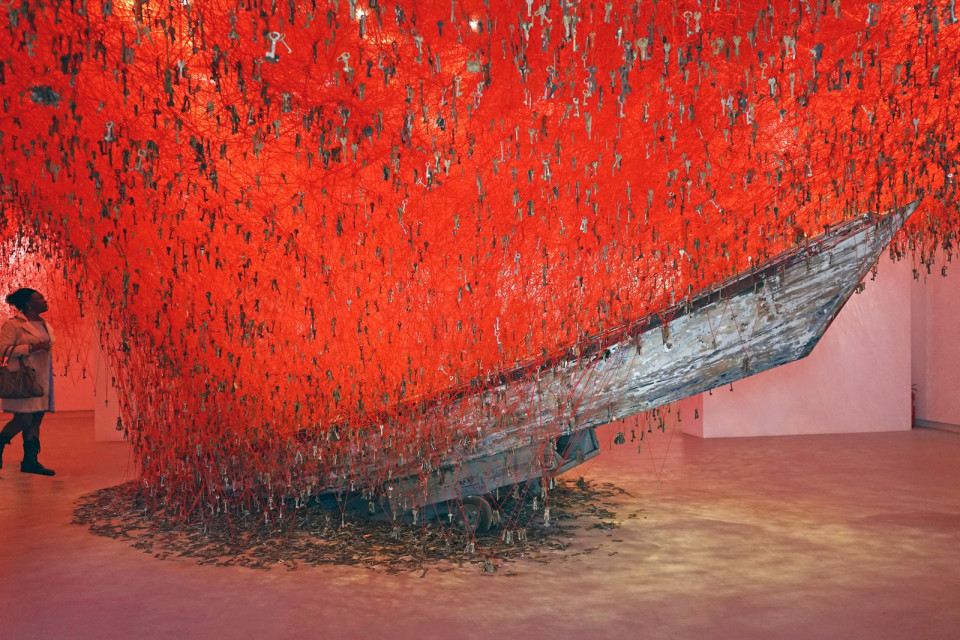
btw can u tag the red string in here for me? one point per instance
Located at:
(287, 252)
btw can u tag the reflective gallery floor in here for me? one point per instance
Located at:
(812, 537)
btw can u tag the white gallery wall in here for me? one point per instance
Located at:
(83, 383)
(936, 343)
(856, 379)
(901, 333)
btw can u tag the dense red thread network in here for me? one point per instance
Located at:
(298, 224)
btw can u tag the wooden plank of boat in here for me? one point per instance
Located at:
(768, 316)
(751, 323)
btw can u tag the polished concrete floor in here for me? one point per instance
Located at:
(812, 537)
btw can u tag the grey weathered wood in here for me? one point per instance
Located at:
(760, 319)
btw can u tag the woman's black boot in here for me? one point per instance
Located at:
(31, 448)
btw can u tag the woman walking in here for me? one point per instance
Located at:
(31, 339)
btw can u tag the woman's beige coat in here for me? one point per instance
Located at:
(20, 332)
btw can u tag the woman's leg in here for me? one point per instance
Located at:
(12, 428)
(31, 430)
(17, 424)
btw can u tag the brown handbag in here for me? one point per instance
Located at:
(18, 383)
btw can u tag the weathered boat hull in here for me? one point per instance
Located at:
(751, 323)
(760, 319)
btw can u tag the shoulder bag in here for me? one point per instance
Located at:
(19, 383)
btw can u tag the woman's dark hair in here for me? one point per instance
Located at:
(20, 297)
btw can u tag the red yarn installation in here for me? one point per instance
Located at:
(292, 255)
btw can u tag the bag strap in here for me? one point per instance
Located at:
(7, 354)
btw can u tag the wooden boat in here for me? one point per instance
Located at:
(537, 422)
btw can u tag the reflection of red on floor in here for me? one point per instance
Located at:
(396, 202)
